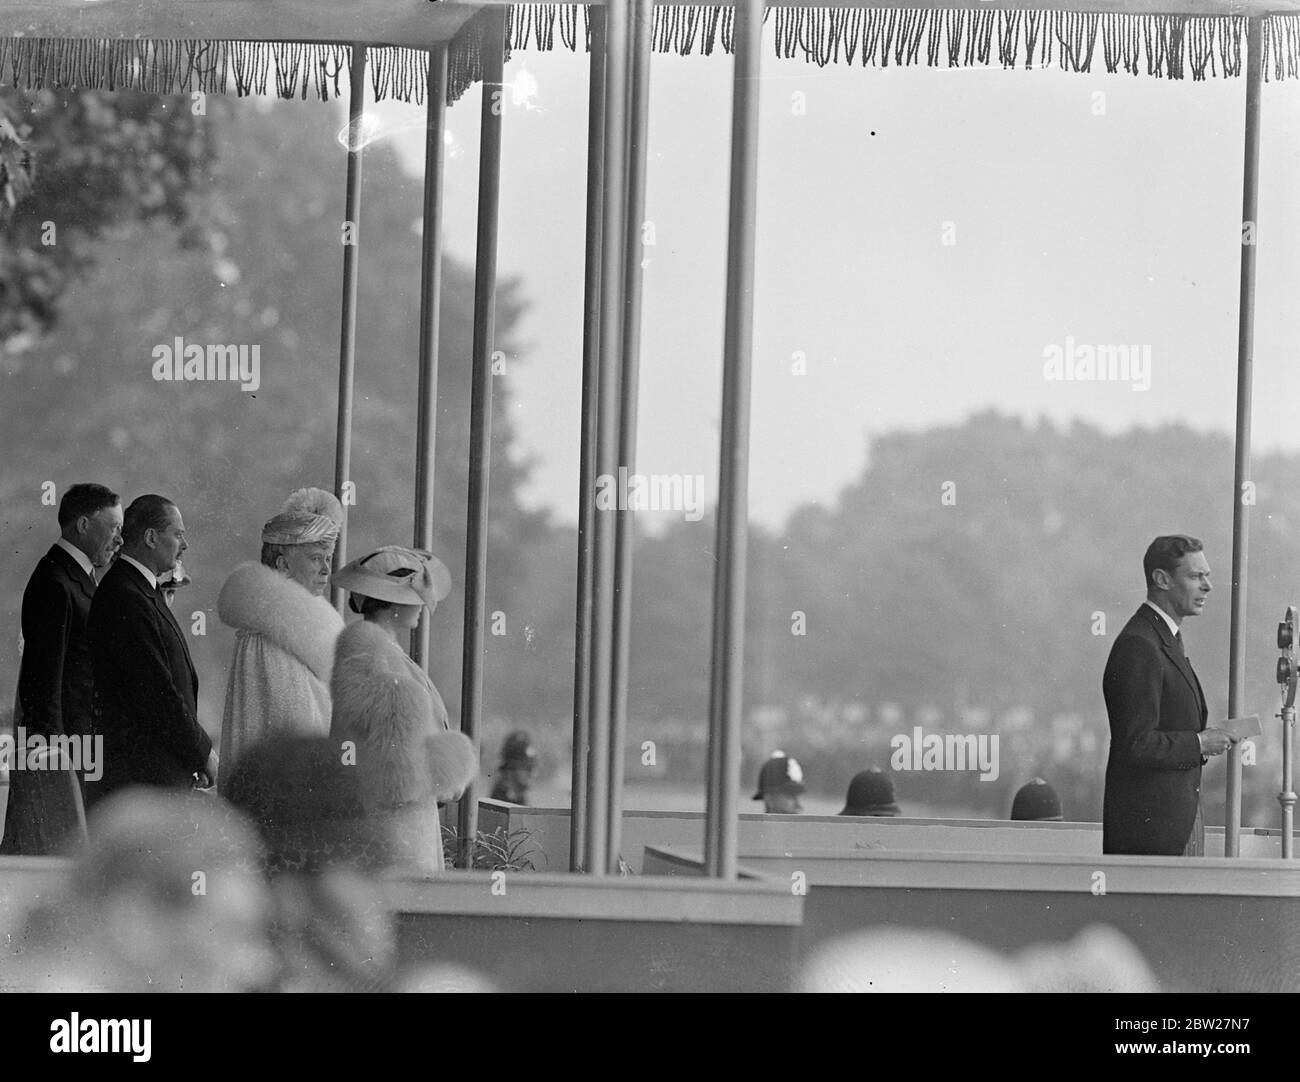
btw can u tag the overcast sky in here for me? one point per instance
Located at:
(1100, 208)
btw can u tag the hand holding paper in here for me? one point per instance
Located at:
(1242, 728)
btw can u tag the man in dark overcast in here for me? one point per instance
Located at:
(146, 687)
(54, 679)
(1158, 737)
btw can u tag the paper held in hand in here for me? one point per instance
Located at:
(1242, 728)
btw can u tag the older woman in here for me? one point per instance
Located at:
(284, 649)
(389, 720)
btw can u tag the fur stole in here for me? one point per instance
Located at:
(260, 601)
(382, 704)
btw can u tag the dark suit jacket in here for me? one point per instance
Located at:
(54, 681)
(146, 689)
(1156, 708)
(54, 699)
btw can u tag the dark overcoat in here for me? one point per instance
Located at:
(1153, 773)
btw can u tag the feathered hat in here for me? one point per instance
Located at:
(309, 515)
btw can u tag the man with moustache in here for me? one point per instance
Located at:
(1158, 738)
(285, 627)
(54, 680)
(146, 688)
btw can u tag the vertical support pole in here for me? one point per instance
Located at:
(430, 313)
(480, 431)
(1287, 797)
(607, 397)
(348, 321)
(587, 452)
(733, 487)
(638, 135)
(1241, 458)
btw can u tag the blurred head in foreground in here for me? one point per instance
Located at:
(168, 897)
(333, 932)
(1098, 959)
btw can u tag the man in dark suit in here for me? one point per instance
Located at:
(54, 678)
(1158, 738)
(146, 689)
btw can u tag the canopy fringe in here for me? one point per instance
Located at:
(285, 69)
(1159, 46)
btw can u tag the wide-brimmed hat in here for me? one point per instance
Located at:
(398, 575)
(871, 792)
(780, 774)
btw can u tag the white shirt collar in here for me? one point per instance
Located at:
(1169, 621)
(149, 575)
(83, 561)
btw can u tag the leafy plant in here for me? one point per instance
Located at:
(496, 851)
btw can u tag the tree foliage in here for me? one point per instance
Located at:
(75, 165)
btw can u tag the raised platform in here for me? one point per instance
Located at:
(1204, 924)
(549, 828)
(563, 933)
(554, 933)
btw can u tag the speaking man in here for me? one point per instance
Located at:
(146, 688)
(54, 679)
(1158, 737)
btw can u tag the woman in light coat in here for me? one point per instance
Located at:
(284, 647)
(389, 720)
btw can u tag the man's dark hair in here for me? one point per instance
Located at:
(145, 513)
(84, 499)
(1166, 552)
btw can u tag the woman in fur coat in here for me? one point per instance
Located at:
(284, 646)
(388, 714)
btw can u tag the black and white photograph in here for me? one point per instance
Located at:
(634, 496)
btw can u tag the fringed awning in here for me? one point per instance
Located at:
(285, 69)
(1161, 46)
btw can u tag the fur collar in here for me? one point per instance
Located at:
(260, 601)
(382, 704)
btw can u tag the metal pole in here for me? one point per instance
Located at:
(1287, 797)
(480, 433)
(351, 236)
(587, 454)
(430, 311)
(733, 511)
(638, 137)
(1241, 459)
(611, 341)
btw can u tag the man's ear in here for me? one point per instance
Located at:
(1160, 577)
